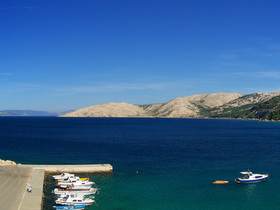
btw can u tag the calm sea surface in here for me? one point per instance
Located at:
(158, 163)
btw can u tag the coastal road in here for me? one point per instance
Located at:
(13, 184)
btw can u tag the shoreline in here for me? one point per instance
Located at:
(23, 176)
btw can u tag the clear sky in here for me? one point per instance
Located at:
(58, 55)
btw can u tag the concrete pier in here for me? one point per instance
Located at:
(14, 180)
(33, 200)
(13, 184)
(96, 168)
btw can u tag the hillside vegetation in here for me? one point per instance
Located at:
(269, 110)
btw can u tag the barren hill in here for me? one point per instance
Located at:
(253, 98)
(109, 110)
(190, 106)
(177, 108)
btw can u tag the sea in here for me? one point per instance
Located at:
(157, 163)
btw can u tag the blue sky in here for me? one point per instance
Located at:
(58, 55)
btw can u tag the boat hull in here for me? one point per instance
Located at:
(91, 191)
(77, 184)
(87, 203)
(249, 181)
(75, 207)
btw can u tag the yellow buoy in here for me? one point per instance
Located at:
(219, 182)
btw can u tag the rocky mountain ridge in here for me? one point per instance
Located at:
(201, 105)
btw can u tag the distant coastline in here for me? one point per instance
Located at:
(29, 113)
(258, 106)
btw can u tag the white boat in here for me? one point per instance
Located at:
(72, 179)
(63, 176)
(90, 191)
(74, 199)
(249, 177)
(75, 183)
(72, 187)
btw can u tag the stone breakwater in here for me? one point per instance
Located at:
(7, 162)
(90, 168)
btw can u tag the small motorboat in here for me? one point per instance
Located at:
(219, 182)
(75, 199)
(75, 183)
(85, 191)
(249, 177)
(75, 207)
(72, 179)
(73, 187)
(64, 176)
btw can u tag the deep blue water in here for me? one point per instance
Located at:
(158, 163)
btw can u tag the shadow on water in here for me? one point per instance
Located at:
(49, 197)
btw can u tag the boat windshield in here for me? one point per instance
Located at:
(246, 176)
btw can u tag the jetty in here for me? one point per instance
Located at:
(95, 168)
(16, 178)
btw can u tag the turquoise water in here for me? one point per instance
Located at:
(158, 163)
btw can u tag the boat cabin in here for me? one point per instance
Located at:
(247, 174)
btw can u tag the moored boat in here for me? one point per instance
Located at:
(74, 199)
(87, 191)
(63, 176)
(72, 179)
(75, 183)
(249, 177)
(73, 187)
(73, 207)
